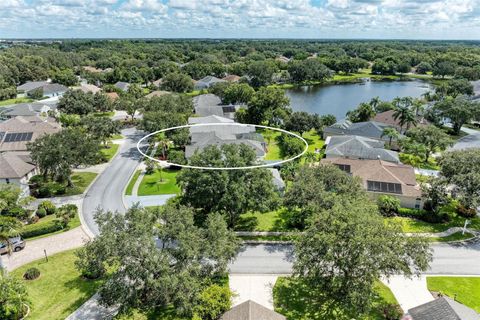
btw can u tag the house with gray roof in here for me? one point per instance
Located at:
(28, 109)
(369, 129)
(46, 88)
(210, 104)
(442, 308)
(207, 82)
(357, 147)
(122, 85)
(17, 168)
(250, 310)
(31, 85)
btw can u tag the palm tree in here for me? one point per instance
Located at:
(405, 116)
(374, 102)
(391, 133)
(417, 106)
(9, 227)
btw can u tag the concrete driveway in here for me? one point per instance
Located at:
(253, 287)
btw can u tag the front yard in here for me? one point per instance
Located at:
(81, 181)
(109, 151)
(59, 290)
(465, 290)
(160, 182)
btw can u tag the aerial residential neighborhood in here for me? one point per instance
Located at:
(240, 160)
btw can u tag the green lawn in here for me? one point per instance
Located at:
(164, 182)
(314, 140)
(116, 137)
(110, 151)
(14, 101)
(297, 301)
(273, 151)
(104, 114)
(268, 221)
(59, 290)
(417, 162)
(131, 183)
(457, 236)
(415, 225)
(81, 180)
(465, 290)
(48, 223)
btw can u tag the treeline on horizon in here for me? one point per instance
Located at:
(144, 61)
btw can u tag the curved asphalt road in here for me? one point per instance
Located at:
(107, 190)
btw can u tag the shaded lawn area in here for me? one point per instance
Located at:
(273, 151)
(131, 183)
(465, 290)
(81, 180)
(110, 151)
(457, 236)
(159, 182)
(269, 221)
(415, 225)
(59, 290)
(297, 301)
(46, 223)
(14, 101)
(314, 140)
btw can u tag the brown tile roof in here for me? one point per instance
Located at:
(25, 124)
(157, 93)
(15, 165)
(383, 171)
(387, 118)
(250, 310)
(112, 95)
(232, 78)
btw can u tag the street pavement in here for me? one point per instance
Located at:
(107, 191)
(472, 140)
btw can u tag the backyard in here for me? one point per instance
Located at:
(273, 151)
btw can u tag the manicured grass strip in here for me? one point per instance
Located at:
(131, 183)
(414, 225)
(273, 150)
(457, 236)
(59, 290)
(159, 182)
(116, 137)
(268, 221)
(465, 290)
(81, 180)
(46, 227)
(109, 152)
(297, 301)
(314, 140)
(15, 101)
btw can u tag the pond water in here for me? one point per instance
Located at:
(340, 98)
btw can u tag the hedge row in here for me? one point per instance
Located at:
(38, 229)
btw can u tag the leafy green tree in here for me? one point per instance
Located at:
(316, 188)
(364, 112)
(238, 93)
(435, 194)
(261, 73)
(459, 110)
(135, 91)
(334, 254)
(65, 214)
(433, 138)
(102, 128)
(388, 206)
(179, 137)
(405, 116)
(269, 105)
(289, 145)
(213, 301)
(424, 67)
(76, 102)
(443, 69)
(177, 82)
(157, 258)
(13, 297)
(300, 122)
(454, 88)
(66, 77)
(102, 103)
(231, 192)
(390, 133)
(9, 227)
(308, 70)
(11, 197)
(69, 120)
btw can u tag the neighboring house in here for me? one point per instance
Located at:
(122, 85)
(210, 104)
(85, 87)
(157, 93)
(384, 178)
(250, 310)
(16, 132)
(369, 129)
(207, 82)
(17, 168)
(48, 89)
(232, 78)
(442, 308)
(96, 70)
(28, 109)
(282, 59)
(387, 119)
(357, 147)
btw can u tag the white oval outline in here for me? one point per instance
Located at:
(267, 165)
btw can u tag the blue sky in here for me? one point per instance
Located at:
(404, 19)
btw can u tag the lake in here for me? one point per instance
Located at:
(340, 98)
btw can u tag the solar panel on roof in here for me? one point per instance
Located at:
(18, 136)
(387, 187)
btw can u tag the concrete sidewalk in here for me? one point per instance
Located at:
(92, 310)
(148, 201)
(409, 292)
(253, 287)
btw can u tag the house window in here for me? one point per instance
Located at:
(417, 203)
(387, 187)
(7, 181)
(344, 167)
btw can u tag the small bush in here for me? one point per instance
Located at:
(213, 301)
(177, 156)
(41, 212)
(33, 219)
(31, 274)
(388, 206)
(48, 206)
(38, 229)
(391, 312)
(66, 213)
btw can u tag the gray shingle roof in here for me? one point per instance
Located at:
(27, 109)
(209, 139)
(53, 88)
(207, 82)
(369, 129)
(250, 310)
(31, 85)
(15, 165)
(443, 309)
(122, 85)
(358, 147)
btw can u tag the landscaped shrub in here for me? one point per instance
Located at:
(31, 274)
(48, 206)
(13, 297)
(41, 212)
(177, 156)
(41, 188)
(38, 229)
(465, 212)
(424, 215)
(388, 206)
(392, 312)
(66, 213)
(213, 301)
